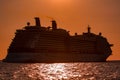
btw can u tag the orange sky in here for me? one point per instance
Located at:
(73, 15)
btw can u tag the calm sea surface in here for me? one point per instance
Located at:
(60, 71)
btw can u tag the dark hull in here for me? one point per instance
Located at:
(54, 57)
(37, 44)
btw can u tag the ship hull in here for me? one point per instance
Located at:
(40, 44)
(54, 57)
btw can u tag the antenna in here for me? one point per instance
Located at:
(89, 29)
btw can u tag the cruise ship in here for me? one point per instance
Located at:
(39, 44)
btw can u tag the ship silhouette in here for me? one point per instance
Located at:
(50, 44)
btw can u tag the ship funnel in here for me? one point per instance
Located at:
(37, 21)
(54, 25)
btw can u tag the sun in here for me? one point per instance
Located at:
(61, 2)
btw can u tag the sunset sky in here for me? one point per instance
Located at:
(73, 15)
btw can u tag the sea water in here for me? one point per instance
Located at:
(60, 71)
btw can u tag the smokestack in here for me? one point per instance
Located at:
(54, 25)
(37, 21)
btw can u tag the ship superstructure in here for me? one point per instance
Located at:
(50, 44)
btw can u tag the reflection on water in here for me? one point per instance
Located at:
(55, 71)
(60, 71)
